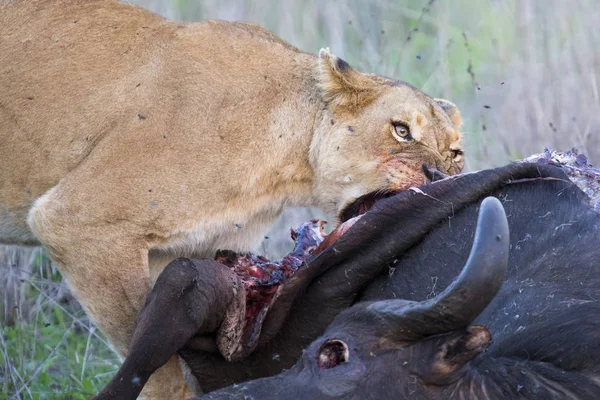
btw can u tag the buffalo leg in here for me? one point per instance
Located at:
(190, 298)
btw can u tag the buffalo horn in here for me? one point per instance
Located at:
(463, 300)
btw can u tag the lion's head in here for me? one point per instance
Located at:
(376, 134)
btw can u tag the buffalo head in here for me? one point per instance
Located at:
(399, 347)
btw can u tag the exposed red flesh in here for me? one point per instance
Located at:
(262, 278)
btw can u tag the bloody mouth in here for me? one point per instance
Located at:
(363, 204)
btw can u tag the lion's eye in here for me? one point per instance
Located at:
(456, 154)
(401, 131)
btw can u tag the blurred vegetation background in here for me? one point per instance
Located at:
(523, 72)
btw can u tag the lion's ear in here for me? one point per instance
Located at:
(453, 112)
(342, 87)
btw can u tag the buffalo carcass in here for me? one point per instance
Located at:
(404, 336)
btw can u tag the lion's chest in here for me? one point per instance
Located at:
(239, 231)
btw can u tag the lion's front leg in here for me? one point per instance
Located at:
(105, 262)
(191, 297)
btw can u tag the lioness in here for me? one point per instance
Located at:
(128, 140)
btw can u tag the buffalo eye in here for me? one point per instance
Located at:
(332, 353)
(401, 131)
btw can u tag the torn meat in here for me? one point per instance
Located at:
(261, 279)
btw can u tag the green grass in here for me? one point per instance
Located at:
(55, 360)
(50, 350)
(532, 62)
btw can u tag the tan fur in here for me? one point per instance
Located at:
(127, 140)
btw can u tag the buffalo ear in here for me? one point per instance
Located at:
(452, 111)
(454, 352)
(343, 88)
